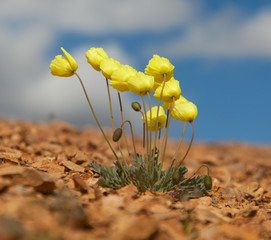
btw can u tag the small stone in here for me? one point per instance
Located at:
(135, 228)
(80, 184)
(4, 183)
(11, 170)
(250, 211)
(9, 154)
(72, 166)
(81, 157)
(42, 182)
(70, 151)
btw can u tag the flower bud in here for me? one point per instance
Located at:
(117, 134)
(208, 182)
(136, 106)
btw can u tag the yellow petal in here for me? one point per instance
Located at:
(181, 99)
(152, 118)
(63, 66)
(171, 89)
(141, 84)
(158, 67)
(108, 66)
(95, 56)
(120, 77)
(186, 112)
(70, 59)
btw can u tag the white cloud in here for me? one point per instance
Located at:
(99, 16)
(225, 35)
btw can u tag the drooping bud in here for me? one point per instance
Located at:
(136, 106)
(117, 134)
(208, 182)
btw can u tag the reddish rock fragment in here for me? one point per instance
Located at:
(80, 184)
(72, 166)
(135, 228)
(11, 170)
(42, 182)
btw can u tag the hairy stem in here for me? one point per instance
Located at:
(179, 144)
(111, 117)
(165, 137)
(99, 125)
(132, 133)
(187, 151)
(159, 103)
(124, 132)
(147, 130)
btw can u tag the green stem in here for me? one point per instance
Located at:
(149, 98)
(179, 164)
(152, 155)
(110, 104)
(159, 102)
(99, 125)
(179, 144)
(112, 121)
(132, 133)
(165, 137)
(190, 145)
(144, 130)
(187, 151)
(124, 132)
(147, 131)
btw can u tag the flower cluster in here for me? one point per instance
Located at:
(158, 79)
(125, 78)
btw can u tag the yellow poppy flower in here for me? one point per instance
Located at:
(181, 99)
(108, 66)
(141, 84)
(158, 66)
(171, 89)
(120, 77)
(186, 111)
(95, 56)
(162, 117)
(63, 66)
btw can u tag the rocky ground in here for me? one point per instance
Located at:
(48, 192)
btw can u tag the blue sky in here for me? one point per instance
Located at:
(221, 51)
